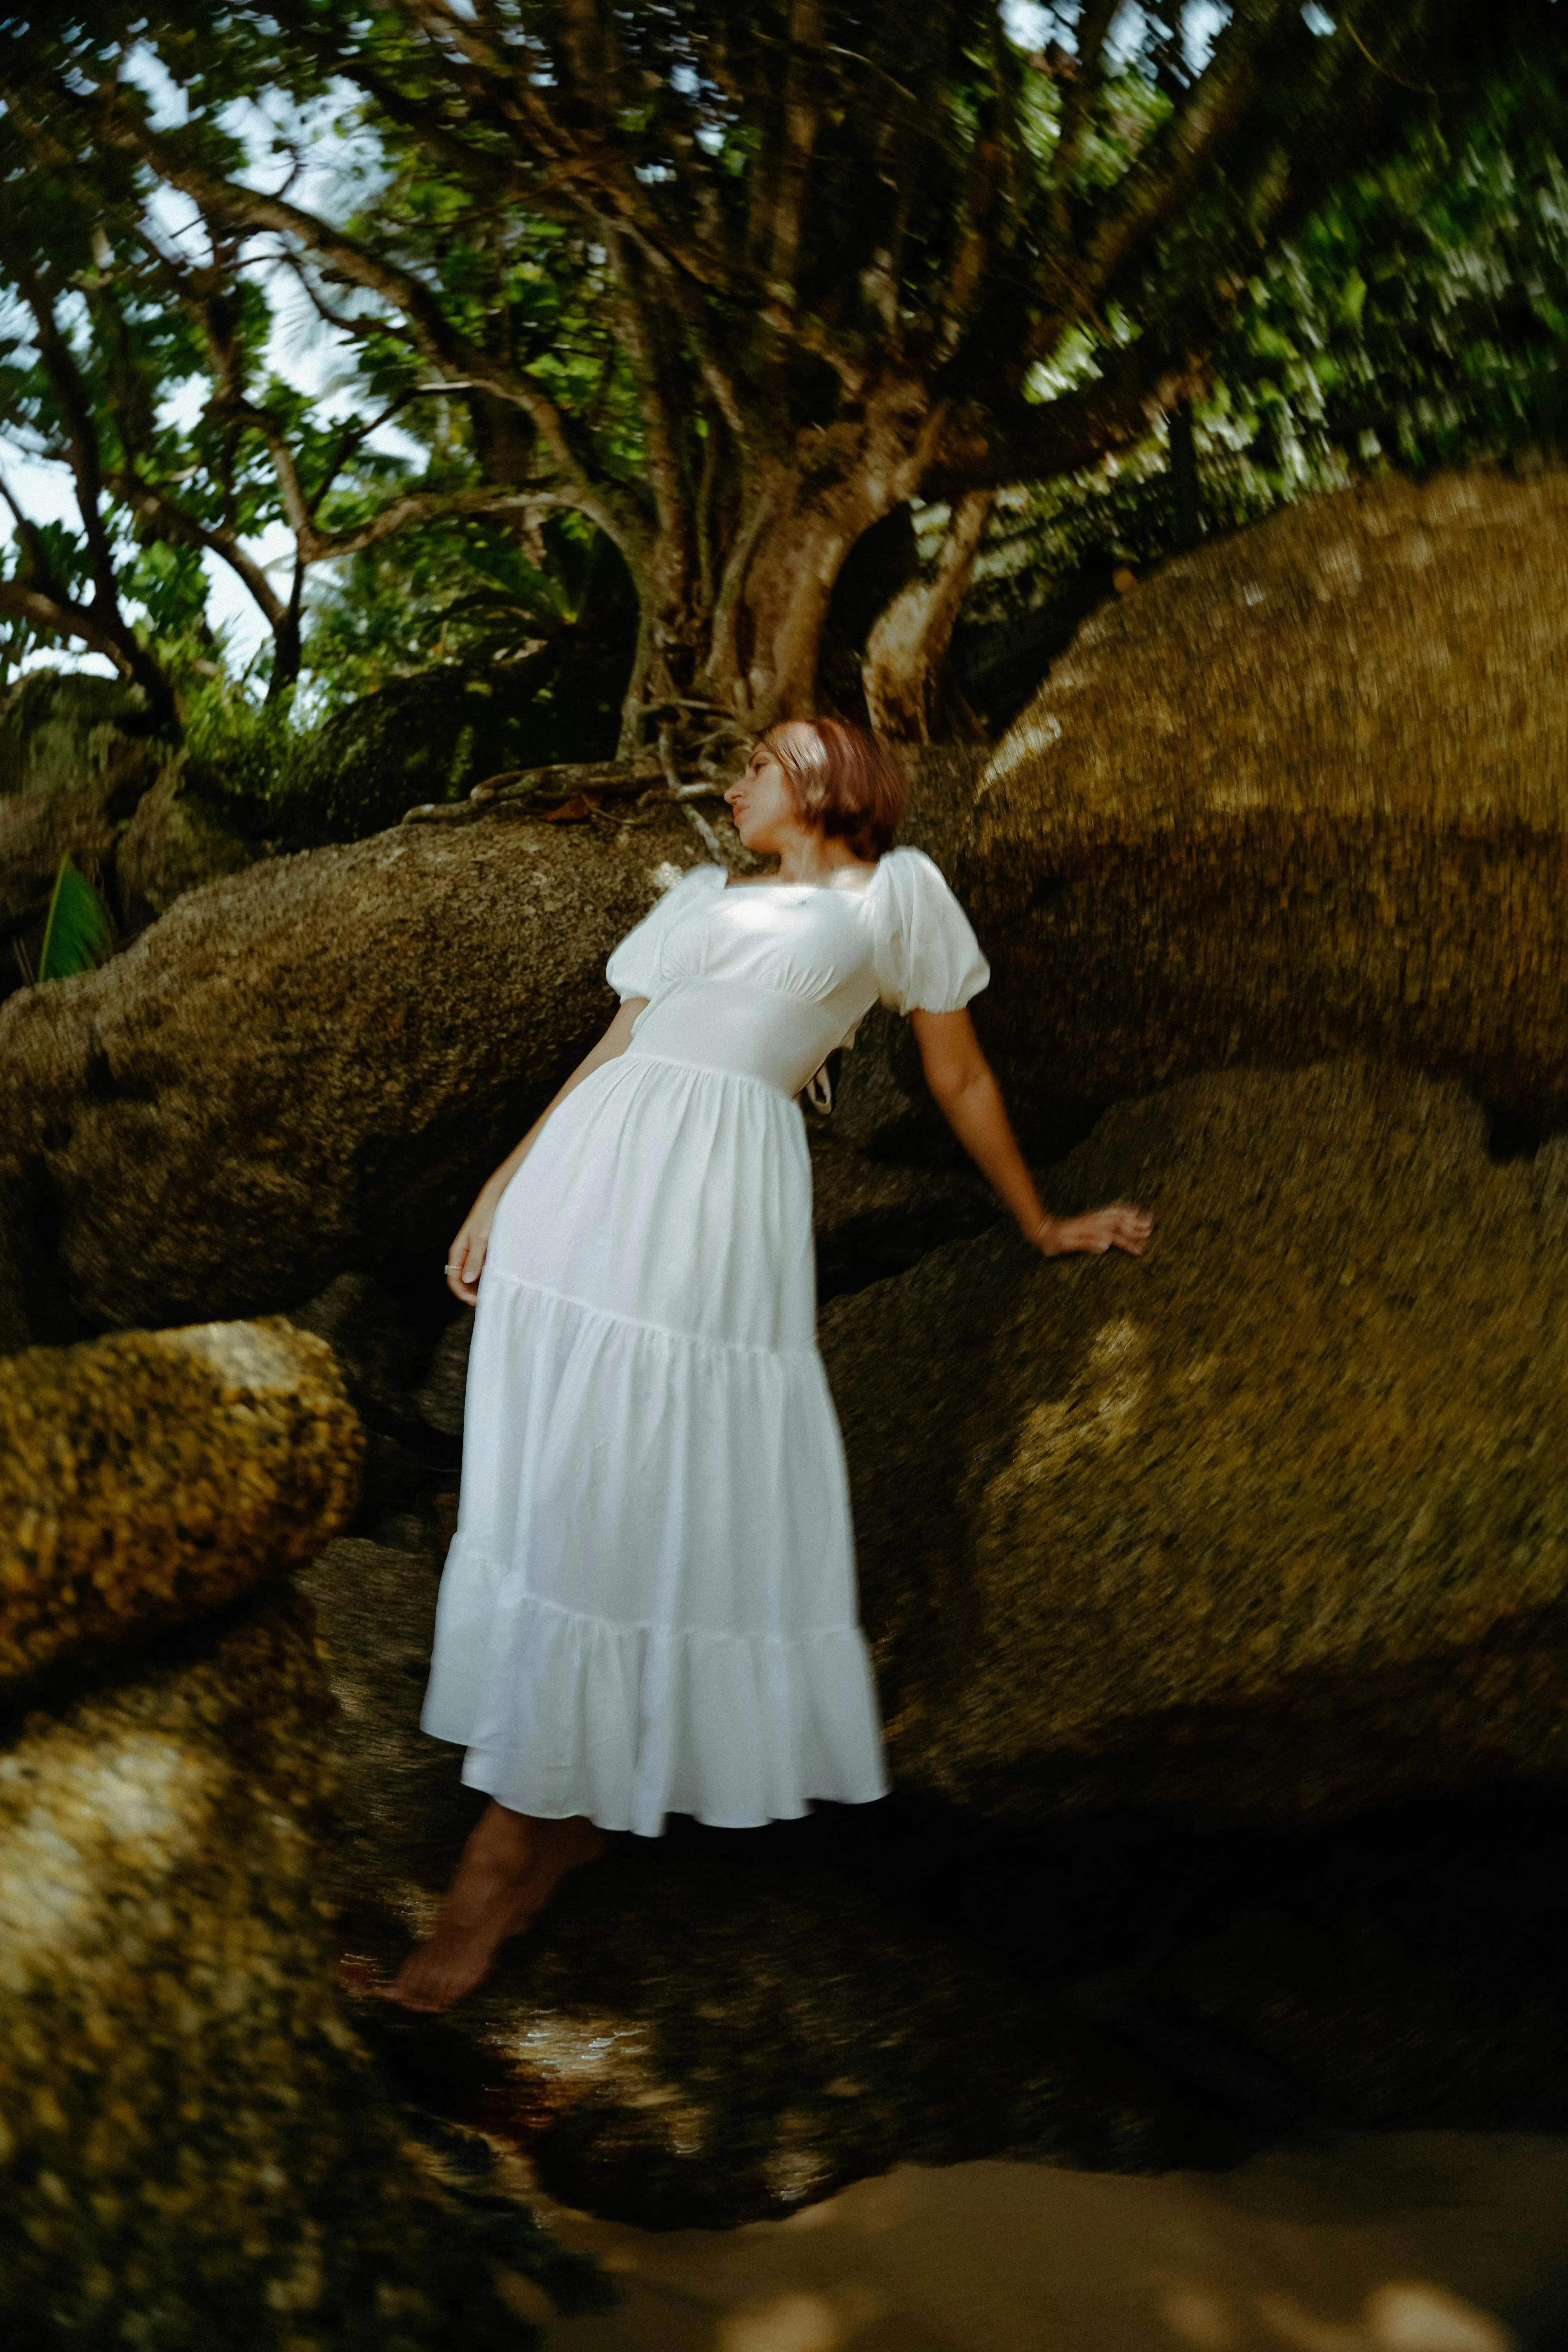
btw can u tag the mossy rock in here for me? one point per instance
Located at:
(154, 1476)
(176, 840)
(195, 2151)
(433, 736)
(1304, 794)
(59, 730)
(1270, 1523)
(313, 1064)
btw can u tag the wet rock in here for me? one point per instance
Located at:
(196, 2152)
(149, 1478)
(315, 1063)
(1301, 794)
(1270, 1523)
(702, 2031)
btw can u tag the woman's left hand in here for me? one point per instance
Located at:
(1121, 1226)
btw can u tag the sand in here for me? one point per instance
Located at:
(1431, 2242)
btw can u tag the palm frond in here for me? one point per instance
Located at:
(77, 933)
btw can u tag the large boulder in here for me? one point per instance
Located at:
(62, 729)
(196, 2152)
(705, 2032)
(1303, 794)
(177, 839)
(1269, 1523)
(721, 2026)
(151, 1478)
(313, 1065)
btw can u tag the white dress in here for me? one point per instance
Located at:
(649, 1605)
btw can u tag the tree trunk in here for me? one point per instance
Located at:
(737, 632)
(906, 653)
(799, 519)
(286, 640)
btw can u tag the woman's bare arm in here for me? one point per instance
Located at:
(465, 1260)
(969, 1098)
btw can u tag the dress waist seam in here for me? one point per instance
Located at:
(638, 1323)
(635, 1053)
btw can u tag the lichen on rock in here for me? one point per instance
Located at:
(315, 1063)
(1271, 1522)
(1301, 794)
(149, 1477)
(195, 2153)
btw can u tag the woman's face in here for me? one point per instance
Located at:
(764, 804)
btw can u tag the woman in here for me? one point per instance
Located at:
(649, 1605)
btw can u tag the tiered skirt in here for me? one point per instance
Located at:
(649, 1606)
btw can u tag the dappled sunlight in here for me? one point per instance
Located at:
(1100, 1413)
(1405, 2315)
(788, 2322)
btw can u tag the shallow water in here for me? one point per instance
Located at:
(1416, 2242)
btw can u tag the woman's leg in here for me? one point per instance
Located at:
(511, 1865)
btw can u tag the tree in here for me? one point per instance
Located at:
(826, 257)
(109, 312)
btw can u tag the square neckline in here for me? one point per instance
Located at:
(772, 882)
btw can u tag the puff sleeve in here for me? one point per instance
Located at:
(928, 958)
(634, 966)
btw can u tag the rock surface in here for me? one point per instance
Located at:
(721, 2026)
(195, 2153)
(1302, 794)
(176, 841)
(34, 1309)
(149, 1478)
(701, 2034)
(61, 729)
(313, 1065)
(1272, 1522)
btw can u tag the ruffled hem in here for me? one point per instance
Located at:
(628, 1723)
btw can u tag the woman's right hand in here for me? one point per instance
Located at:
(466, 1258)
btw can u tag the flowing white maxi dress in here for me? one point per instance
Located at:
(649, 1606)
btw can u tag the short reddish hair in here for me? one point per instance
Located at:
(843, 779)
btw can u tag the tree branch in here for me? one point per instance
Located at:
(1188, 144)
(983, 447)
(432, 333)
(800, 109)
(82, 444)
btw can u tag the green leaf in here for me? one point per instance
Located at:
(77, 933)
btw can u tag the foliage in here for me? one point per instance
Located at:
(77, 932)
(470, 592)
(732, 283)
(1417, 319)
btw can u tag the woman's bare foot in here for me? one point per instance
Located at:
(511, 1867)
